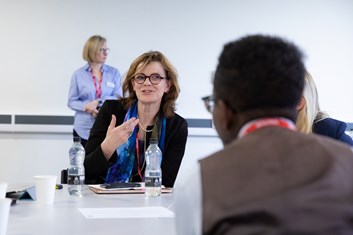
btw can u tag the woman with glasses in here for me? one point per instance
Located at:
(91, 85)
(115, 151)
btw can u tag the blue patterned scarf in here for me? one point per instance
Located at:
(122, 169)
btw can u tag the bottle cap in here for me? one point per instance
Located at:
(77, 139)
(153, 141)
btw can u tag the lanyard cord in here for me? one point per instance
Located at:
(264, 122)
(139, 169)
(97, 84)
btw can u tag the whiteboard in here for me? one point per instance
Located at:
(41, 45)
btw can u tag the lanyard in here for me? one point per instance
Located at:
(138, 155)
(97, 84)
(263, 122)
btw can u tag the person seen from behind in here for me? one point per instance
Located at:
(269, 178)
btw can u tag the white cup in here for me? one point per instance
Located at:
(45, 188)
(3, 187)
(4, 214)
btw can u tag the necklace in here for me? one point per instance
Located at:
(145, 129)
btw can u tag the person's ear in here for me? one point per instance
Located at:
(168, 86)
(225, 120)
(132, 84)
(226, 115)
(301, 104)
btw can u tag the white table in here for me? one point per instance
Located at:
(63, 217)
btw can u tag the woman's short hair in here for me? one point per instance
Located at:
(169, 98)
(92, 48)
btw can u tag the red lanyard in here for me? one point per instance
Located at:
(263, 122)
(97, 85)
(138, 155)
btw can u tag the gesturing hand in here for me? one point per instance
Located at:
(116, 136)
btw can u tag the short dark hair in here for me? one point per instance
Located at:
(259, 71)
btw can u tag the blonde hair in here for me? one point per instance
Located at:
(92, 48)
(310, 112)
(168, 100)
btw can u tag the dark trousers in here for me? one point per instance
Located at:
(83, 141)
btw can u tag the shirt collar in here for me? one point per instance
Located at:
(104, 67)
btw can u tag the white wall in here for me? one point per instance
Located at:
(25, 155)
(32, 154)
(41, 44)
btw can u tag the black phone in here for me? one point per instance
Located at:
(121, 185)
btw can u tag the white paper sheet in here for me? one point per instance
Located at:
(128, 212)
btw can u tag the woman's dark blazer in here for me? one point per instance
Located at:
(96, 165)
(332, 128)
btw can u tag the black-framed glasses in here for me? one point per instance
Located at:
(209, 103)
(105, 50)
(154, 78)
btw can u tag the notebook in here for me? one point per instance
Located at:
(132, 190)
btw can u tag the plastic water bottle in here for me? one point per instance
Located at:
(153, 172)
(76, 172)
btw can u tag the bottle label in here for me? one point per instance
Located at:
(75, 179)
(153, 182)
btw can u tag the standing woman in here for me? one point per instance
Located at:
(91, 85)
(115, 151)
